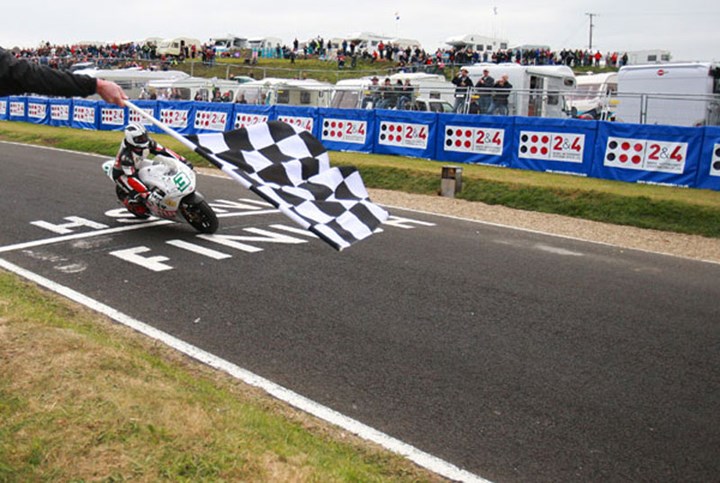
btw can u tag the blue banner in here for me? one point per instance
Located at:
(347, 129)
(112, 117)
(709, 167)
(212, 117)
(304, 117)
(554, 145)
(150, 107)
(4, 109)
(470, 138)
(85, 114)
(17, 108)
(667, 155)
(60, 112)
(248, 114)
(179, 115)
(37, 110)
(406, 133)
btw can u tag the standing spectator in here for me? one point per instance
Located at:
(485, 96)
(463, 83)
(502, 93)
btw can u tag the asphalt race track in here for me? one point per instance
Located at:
(516, 356)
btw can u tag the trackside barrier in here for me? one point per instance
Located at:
(554, 145)
(464, 138)
(709, 168)
(666, 155)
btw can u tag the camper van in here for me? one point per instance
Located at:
(176, 47)
(537, 90)
(288, 92)
(192, 88)
(356, 93)
(133, 80)
(592, 96)
(228, 43)
(681, 94)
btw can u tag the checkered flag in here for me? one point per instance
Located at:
(290, 168)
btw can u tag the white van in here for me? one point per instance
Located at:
(537, 90)
(592, 96)
(681, 94)
(175, 47)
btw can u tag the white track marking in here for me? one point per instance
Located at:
(425, 460)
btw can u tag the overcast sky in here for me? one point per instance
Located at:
(689, 29)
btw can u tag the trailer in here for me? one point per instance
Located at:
(681, 94)
(288, 92)
(356, 93)
(592, 96)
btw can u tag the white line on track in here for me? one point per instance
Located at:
(425, 460)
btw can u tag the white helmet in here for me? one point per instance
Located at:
(136, 136)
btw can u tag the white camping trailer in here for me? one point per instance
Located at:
(354, 93)
(681, 94)
(592, 96)
(134, 79)
(289, 92)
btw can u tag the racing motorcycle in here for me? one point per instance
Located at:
(172, 193)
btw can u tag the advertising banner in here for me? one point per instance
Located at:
(247, 115)
(179, 115)
(37, 110)
(212, 117)
(406, 133)
(84, 114)
(3, 108)
(665, 155)
(150, 107)
(112, 117)
(709, 166)
(469, 138)
(554, 145)
(60, 112)
(17, 108)
(347, 129)
(304, 117)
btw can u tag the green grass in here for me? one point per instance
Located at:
(82, 399)
(690, 211)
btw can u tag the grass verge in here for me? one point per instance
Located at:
(83, 399)
(689, 211)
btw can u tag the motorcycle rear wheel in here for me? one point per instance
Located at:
(200, 215)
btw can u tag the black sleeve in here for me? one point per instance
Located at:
(21, 77)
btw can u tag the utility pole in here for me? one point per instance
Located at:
(591, 15)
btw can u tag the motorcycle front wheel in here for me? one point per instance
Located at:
(199, 214)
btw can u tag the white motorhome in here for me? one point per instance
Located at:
(133, 80)
(192, 88)
(355, 93)
(653, 56)
(477, 43)
(228, 43)
(367, 41)
(537, 90)
(175, 47)
(288, 92)
(682, 94)
(592, 97)
(262, 43)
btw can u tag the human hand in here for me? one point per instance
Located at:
(111, 92)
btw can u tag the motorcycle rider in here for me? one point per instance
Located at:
(134, 148)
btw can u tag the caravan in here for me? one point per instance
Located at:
(537, 90)
(356, 93)
(287, 92)
(592, 98)
(228, 44)
(178, 46)
(681, 94)
(134, 79)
